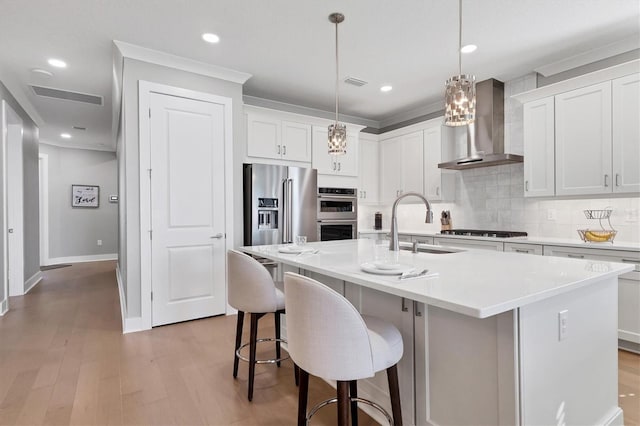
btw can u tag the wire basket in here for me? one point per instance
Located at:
(597, 235)
(598, 214)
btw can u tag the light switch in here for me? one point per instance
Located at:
(563, 319)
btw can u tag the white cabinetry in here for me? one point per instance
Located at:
(368, 171)
(401, 166)
(343, 165)
(524, 248)
(270, 137)
(628, 284)
(439, 184)
(470, 244)
(583, 141)
(626, 134)
(539, 148)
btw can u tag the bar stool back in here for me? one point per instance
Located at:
(251, 290)
(327, 337)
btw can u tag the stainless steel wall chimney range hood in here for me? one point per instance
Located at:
(485, 137)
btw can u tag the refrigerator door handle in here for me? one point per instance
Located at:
(290, 202)
(285, 211)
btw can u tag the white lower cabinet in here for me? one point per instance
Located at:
(628, 284)
(470, 244)
(523, 248)
(421, 239)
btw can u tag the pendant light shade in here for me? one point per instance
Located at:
(337, 132)
(460, 92)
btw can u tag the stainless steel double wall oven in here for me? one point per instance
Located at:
(337, 214)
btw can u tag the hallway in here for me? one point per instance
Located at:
(64, 360)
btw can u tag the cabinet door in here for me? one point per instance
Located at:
(321, 160)
(626, 134)
(523, 248)
(412, 164)
(539, 148)
(263, 136)
(347, 164)
(390, 169)
(583, 141)
(368, 171)
(296, 141)
(433, 156)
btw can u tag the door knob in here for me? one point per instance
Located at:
(218, 236)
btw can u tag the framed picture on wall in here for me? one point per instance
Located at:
(85, 196)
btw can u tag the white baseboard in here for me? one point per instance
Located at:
(628, 335)
(81, 259)
(131, 325)
(4, 307)
(123, 301)
(31, 282)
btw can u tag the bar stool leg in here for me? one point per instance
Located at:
(303, 394)
(252, 351)
(239, 324)
(353, 393)
(394, 391)
(277, 318)
(343, 403)
(296, 373)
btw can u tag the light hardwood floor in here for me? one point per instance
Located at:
(64, 360)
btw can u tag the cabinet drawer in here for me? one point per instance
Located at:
(523, 248)
(619, 256)
(422, 239)
(470, 244)
(404, 237)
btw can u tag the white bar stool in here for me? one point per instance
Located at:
(330, 339)
(251, 290)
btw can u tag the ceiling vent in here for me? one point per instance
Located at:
(66, 95)
(355, 81)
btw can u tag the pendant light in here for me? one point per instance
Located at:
(337, 132)
(460, 92)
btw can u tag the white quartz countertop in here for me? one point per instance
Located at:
(548, 241)
(478, 283)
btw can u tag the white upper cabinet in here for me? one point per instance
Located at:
(439, 184)
(626, 134)
(401, 166)
(270, 137)
(390, 166)
(583, 141)
(343, 165)
(539, 148)
(368, 171)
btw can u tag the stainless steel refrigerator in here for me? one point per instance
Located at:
(280, 203)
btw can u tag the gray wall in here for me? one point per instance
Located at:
(31, 188)
(128, 158)
(75, 231)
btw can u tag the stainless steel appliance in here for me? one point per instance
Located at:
(484, 233)
(279, 203)
(337, 212)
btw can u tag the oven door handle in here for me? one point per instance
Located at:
(337, 221)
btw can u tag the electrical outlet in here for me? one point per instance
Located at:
(551, 214)
(99, 242)
(563, 320)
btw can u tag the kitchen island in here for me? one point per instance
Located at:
(490, 338)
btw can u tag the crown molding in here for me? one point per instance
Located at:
(157, 57)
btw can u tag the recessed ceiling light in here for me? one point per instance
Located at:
(386, 88)
(468, 48)
(210, 38)
(65, 135)
(58, 63)
(42, 72)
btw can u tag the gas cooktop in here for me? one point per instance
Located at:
(484, 233)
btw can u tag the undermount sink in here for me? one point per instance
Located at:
(430, 250)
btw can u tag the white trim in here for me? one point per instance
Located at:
(629, 336)
(145, 88)
(133, 51)
(423, 125)
(123, 302)
(4, 307)
(594, 55)
(71, 145)
(412, 114)
(131, 325)
(584, 80)
(32, 282)
(82, 259)
(15, 89)
(293, 116)
(43, 160)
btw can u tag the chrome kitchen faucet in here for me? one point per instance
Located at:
(394, 245)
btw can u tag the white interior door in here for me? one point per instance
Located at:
(187, 209)
(14, 208)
